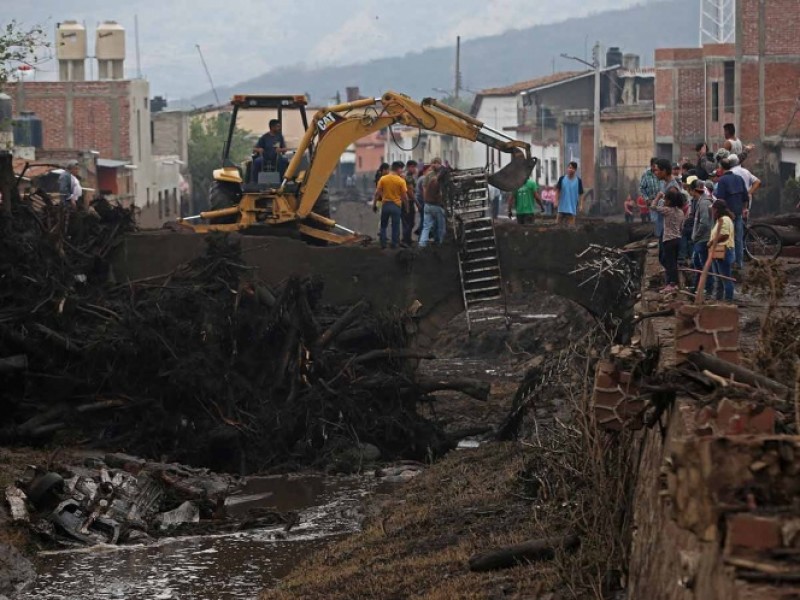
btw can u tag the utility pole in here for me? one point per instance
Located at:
(596, 62)
(596, 66)
(457, 87)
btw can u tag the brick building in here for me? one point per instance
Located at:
(754, 83)
(110, 117)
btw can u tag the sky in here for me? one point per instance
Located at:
(240, 40)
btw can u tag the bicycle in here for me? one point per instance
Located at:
(762, 242)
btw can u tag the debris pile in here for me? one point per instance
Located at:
(204, 365)
(122, 499)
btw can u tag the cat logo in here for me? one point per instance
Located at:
(327, 122)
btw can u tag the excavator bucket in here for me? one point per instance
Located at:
(511, 177)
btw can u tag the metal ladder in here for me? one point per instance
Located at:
(478, 261)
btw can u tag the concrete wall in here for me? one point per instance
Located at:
(530, 259)
(171, 134)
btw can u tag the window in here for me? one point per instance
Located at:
(152, 132)
(730, 85)
(160, 209)
(715, 101)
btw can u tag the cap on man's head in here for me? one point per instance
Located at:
(691, 180)
(699, 185)
(72, 164)
(675, 166)
(722, 153)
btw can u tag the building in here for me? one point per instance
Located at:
(108, 119)
(753, 83)
(500, 109)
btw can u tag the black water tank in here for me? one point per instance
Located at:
(5, 112)
(28, 130)
(613, 56)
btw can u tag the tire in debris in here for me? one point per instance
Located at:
(44, 488)
(223, 194)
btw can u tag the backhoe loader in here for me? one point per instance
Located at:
(295, 199)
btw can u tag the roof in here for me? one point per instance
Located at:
(110, 163)
(34, 170)
(516, 88)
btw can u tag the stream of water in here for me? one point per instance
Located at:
(219, 567)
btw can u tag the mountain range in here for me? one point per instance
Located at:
(491, 61)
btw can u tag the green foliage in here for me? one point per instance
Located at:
(206, 140)
(18, 44)
(791, 195)
(461, 103)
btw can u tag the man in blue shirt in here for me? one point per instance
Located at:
(569, 195)
(270, 149)
(733, 190)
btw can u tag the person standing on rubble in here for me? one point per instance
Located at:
(671, 210)
(733, 190)
(649, 186)
(434, 205)
(701, 230)
(392, 192)
(69, 187)
(723, 252)
(569, 195)
(409, 208)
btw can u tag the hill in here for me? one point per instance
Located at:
(492, 61)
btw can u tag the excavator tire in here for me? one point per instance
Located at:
(223, 194)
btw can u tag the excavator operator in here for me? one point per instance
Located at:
(269, 150)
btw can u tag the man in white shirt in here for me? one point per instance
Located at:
(69, 188)
(751, 181)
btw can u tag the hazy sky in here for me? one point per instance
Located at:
(244, 38)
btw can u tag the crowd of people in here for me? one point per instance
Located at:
(699, 208)
(403, 191)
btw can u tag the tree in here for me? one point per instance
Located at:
(17, 45)
(206, 140)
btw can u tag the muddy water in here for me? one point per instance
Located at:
(230, 566)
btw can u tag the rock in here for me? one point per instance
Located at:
(370, 452)
(16, 502)
(16, 571)
(188, 512)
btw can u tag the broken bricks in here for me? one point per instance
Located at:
(615, 398)
(712, 328)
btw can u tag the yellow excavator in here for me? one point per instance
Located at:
(298, 198)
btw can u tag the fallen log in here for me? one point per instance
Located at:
(18, 362)
(471, 387)
(741, 374)
(100, 405)
(341, 324)
(391, 353)
(511, 556)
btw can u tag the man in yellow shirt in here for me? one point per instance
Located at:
(393, 192)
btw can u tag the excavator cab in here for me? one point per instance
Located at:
(237, 184)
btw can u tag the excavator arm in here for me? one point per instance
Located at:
(333, 129)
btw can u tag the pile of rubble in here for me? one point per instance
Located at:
(121, 499)
(205, 365)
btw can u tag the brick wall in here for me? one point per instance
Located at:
(81, 115)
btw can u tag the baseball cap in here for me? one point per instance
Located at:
(691, 180)
(72, 163)
(722, 153)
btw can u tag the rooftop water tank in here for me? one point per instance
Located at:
(71, 50)
(110, 50)
(613, 56)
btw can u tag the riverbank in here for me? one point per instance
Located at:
(419, 544)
